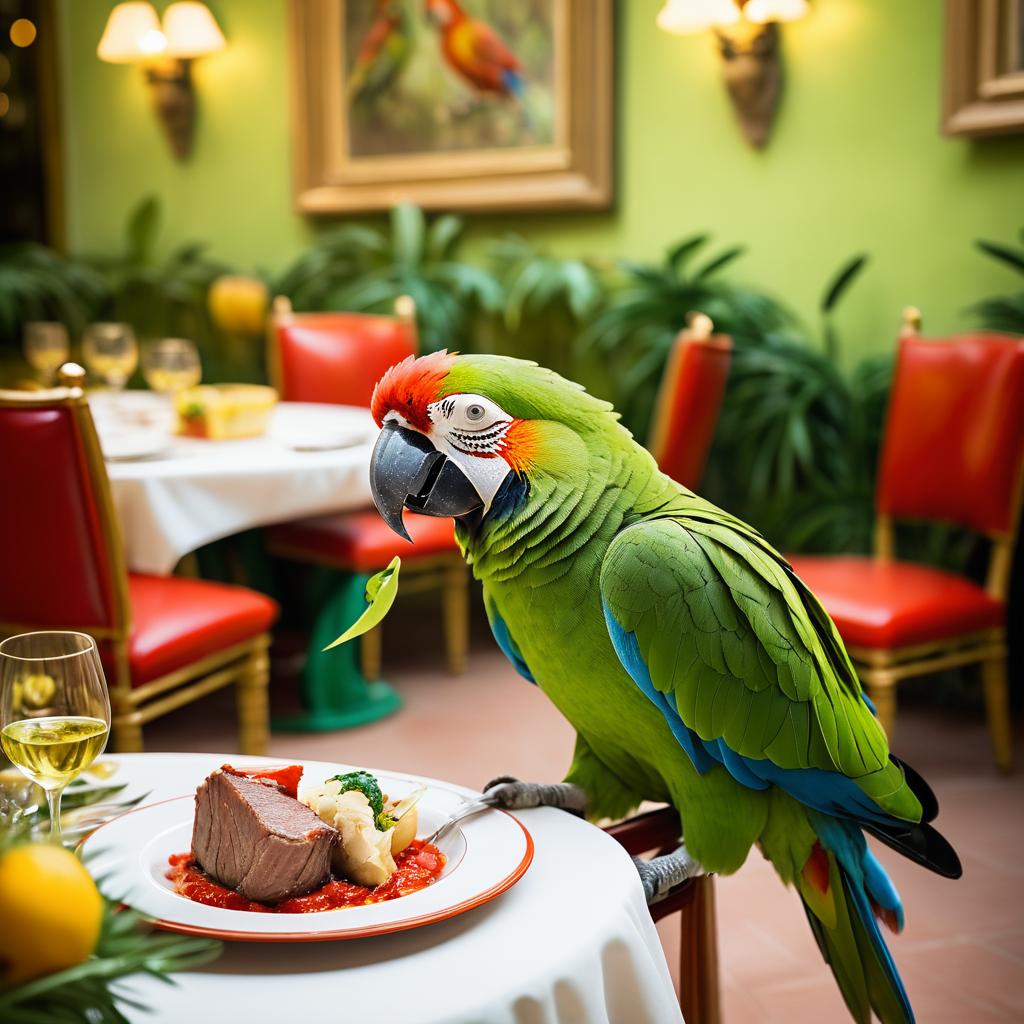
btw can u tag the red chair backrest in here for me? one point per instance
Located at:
(954, 437)
(57, 570)
(688, 404)
(338, 357)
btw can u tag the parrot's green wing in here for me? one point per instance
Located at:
(745, 664)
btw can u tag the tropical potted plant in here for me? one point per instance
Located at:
(1003, 312)
(365, 268)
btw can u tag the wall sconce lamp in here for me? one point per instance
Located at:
(748, 38)
(134, 35)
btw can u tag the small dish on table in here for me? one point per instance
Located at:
(138, 852)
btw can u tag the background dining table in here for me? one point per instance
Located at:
(571, 943)
(175, 494)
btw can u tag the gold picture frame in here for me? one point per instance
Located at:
(983, 86)
(570, 167)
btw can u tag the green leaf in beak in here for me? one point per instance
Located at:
(380, 596)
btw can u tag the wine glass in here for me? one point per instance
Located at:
(54, 709)
(111, 352)
(46, 347)
(171, 365)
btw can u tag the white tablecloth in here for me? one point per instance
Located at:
(198, 491)
(571, 943)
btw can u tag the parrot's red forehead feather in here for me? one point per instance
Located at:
(410, 386)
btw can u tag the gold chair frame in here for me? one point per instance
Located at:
(447, 573)
(245, 664)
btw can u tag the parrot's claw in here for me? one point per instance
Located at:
(514, 795)
(660, 874)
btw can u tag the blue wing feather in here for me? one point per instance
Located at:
(828, 792)
(508, 646)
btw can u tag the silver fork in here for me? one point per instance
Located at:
(470, 807)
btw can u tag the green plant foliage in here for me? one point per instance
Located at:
(1003, 312)
(545, 301)
(37, 283)
(534, 281)
(798, 439)
(365, 269)
(127, 946)
(159, 297)
(647, 306)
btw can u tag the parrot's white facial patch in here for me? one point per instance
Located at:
(471, 431)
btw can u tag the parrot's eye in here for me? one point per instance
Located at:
(468, 413)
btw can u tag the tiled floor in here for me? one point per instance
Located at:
(961, 955)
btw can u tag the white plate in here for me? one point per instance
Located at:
(486, 855)
(310, 427)
(131, 445)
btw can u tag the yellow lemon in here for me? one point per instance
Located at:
(38, 690)
(51, 912)
(238, 304)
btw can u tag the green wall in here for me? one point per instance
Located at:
(856, 162)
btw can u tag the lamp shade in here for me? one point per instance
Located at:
(685, 16)
(132, 34)
(761, 11)
(191, 30)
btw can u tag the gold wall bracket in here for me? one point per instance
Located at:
(752, 71)
(174, 101)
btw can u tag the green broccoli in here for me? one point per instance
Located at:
(366, 784)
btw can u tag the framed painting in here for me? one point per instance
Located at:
(983, 88)
(455, 104)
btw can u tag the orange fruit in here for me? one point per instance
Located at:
(51, 912)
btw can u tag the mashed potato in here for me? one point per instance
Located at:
(366, 853)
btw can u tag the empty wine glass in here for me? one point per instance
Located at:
(46, 348)
(111, 352)
(171, 365)
(54, 709)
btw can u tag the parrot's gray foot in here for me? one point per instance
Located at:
(514, 795)
(659, 874)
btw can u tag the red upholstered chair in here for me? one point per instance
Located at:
(952, 453)
(689, 400)
(339, 357)
(164, 641)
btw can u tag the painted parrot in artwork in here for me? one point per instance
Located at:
(696, 668)
(383, 53)
(475, 52)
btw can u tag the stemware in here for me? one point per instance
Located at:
(171, 365)
(111, 352)
(46, 348)
(54, 709)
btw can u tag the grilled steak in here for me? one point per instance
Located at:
(253, 837)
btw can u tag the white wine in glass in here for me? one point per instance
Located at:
(171, 365)
(111, 353)
(46, 348)
(54, 709)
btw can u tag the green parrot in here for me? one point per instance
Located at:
(696, 668)
(383, 53)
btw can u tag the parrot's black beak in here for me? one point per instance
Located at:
(407, 471)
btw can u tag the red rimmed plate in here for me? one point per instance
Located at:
(486, 855)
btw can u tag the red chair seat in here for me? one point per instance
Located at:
(362, 540)
(178, 621)
(885, 605)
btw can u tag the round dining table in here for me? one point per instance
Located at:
(572, 942)
(175, 494)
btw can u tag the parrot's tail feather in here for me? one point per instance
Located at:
(513, 82)
(921, 843)
(920, 789)
(851, 943)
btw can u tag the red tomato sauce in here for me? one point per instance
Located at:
(418, 865)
